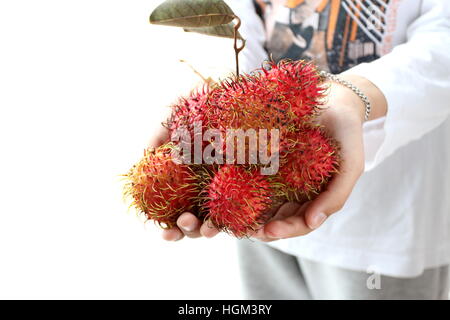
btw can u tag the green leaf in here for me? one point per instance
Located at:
(224, 31)
(192, 13)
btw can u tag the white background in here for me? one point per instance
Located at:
(82, 86)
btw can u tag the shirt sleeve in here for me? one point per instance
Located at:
(252, 30)
(415, 79)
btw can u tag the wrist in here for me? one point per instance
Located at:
(343, 100)
(375, 96)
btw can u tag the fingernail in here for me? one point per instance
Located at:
(317, 220)
(272, 236)
(188, 228)
(178, 238)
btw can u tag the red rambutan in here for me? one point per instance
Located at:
(299, 83)
(246, 104)
(189, 110)
(238, 200)
(308, 166)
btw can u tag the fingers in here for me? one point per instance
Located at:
(340, 187)
(278, 213)
(286, 210)
(293, 225)
(172, 234)
(288, 222)
(208, 230)
(159, 138)
(330, 201)
(189, 225)
(192, 227)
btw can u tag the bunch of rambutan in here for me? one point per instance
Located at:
(222, 179)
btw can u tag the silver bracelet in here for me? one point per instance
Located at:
(352, 87)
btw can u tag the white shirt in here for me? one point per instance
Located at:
(397, 219)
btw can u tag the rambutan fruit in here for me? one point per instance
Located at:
(187, 111)
(246, 104)
(188, 123)
(309, 164)
(160, 188)
(238, 200)
(299, 83)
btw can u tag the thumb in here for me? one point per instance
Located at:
(331, 200)
(159, 137)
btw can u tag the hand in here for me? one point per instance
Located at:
(343, 119)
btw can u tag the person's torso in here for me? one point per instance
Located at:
(335, 34)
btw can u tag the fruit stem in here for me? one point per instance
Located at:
(237, 49)
(194, 70)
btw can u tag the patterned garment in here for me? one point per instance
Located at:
(336, 34)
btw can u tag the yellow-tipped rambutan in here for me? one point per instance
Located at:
(160, 188)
